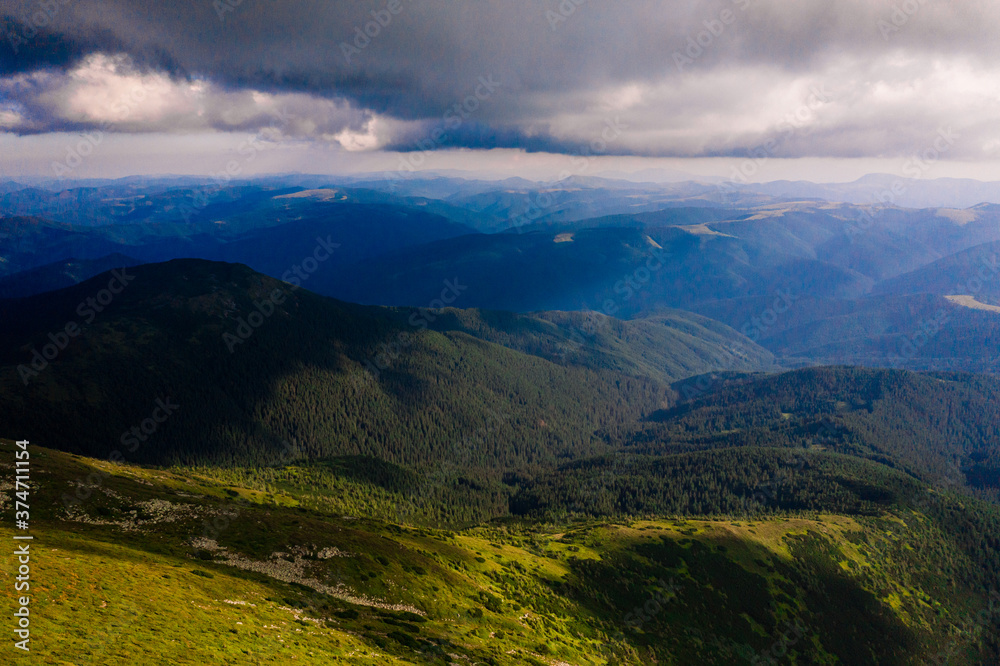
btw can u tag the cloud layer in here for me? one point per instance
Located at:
(855, 78)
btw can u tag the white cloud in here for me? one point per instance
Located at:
(104, 89)
(9, 120)
(110, 92)
(355, 141)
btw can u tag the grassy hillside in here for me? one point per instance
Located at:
(151, 565)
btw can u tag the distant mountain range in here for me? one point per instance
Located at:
(60, 274)
(854, 284)
(909, 191)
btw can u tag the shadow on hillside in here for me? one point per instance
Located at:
(690, 599)
(173, 335)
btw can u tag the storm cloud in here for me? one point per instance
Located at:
(722, 78)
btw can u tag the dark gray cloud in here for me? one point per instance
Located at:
(688, 79)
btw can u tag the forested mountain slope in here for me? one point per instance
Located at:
(253, 362)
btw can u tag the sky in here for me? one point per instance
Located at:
(811, 89)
